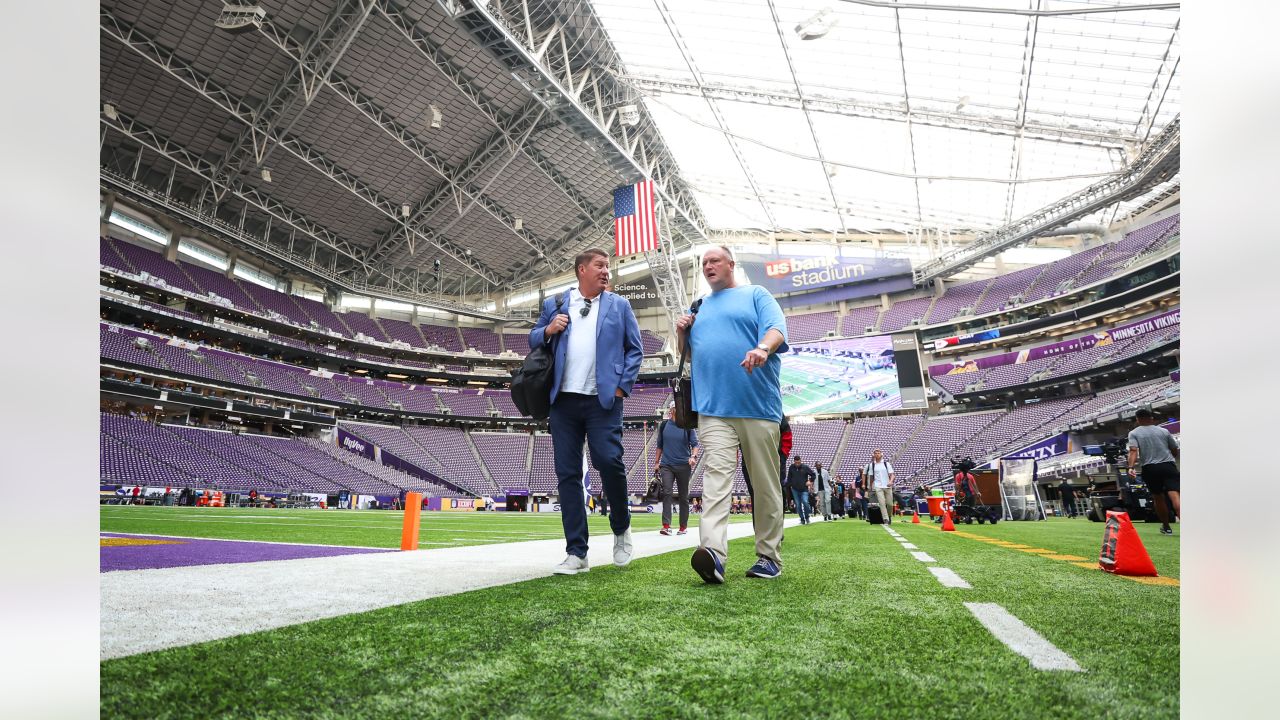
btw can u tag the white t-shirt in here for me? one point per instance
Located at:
(880, 473)
(580, 355)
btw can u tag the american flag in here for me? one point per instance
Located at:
(635, 225)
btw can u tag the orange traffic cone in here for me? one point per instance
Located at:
(915, 517)
(1122, 550)
(947, 525)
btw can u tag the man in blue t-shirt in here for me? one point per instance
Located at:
(738, 395)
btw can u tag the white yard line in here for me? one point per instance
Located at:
(949, 578)
(1021, 639)
(909, 546)
(145, 610)
(922, 556)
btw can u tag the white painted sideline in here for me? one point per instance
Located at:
(1020, 638)
(145, 610)
(949, 578)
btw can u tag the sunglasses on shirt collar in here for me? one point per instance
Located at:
(586, 309)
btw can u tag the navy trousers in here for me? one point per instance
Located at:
(576, 417)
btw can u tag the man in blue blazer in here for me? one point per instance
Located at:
(598, 352)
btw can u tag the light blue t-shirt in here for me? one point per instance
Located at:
(730, 323)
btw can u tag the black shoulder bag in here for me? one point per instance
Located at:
(682, 386)
(531, 384)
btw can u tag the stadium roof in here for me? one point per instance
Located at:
(304, 129)
(863, 116)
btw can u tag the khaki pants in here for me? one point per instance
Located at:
(884, 496)
(824, 503)
(721, 439)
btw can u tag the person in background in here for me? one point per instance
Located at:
(597, 361)
(677, 455)
(1068, 496)
(879, 476)
(822, 487)
(1158, 452)
(859, 495)
(966, 489)
(800, 480)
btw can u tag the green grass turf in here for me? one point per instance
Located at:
(364, 528)
(854, 628)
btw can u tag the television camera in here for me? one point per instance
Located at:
(1113, 489)
(1110, 451)
(967, 507)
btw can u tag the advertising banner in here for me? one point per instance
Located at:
(639, 291)
(460, 504)
(1155, 323)
(351, 443)
(1047, 448)
(1152, 324)
(977, 337)
(785, 273)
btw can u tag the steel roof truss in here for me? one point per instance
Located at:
(240, 110)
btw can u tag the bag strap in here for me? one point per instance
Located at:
(684, 352)
(560, 301)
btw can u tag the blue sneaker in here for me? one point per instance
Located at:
(764, 568)
(708, 565)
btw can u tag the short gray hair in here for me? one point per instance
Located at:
(728, 253)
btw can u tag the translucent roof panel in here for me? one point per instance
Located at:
(890, 119)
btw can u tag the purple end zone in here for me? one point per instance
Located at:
(183, 552)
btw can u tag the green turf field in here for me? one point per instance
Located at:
(855, 627)
(363, 528)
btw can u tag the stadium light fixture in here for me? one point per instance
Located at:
(436, 116)
(519, 223)
(266, 174)
(629, 114)
(404, 210)
(817, 26)
(110, 111)
(238, 19)
(632, 269)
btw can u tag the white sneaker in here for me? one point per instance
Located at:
(622, 548)
(572, 565)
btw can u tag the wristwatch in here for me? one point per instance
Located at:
(764, 347)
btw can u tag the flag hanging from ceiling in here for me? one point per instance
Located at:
(635, 225)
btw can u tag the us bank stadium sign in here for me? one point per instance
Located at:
(791, 274)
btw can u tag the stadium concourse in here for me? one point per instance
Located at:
(327, 230)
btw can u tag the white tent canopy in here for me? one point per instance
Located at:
(894, 119)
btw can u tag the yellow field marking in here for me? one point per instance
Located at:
(122, 542)
(1054, 555)
(1166, 581)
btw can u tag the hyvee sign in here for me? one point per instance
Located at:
(788, 274)
(640, 292)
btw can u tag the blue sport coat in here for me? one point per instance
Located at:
(618, 348)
